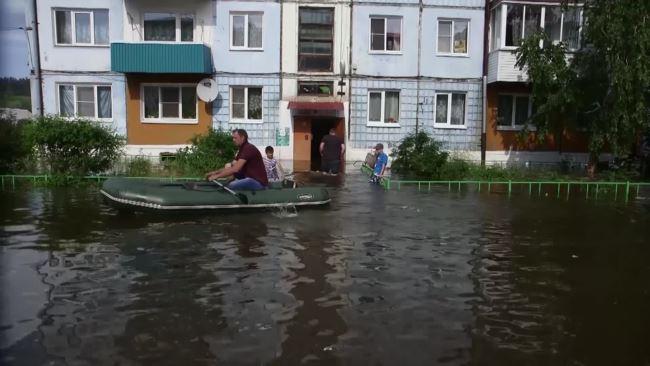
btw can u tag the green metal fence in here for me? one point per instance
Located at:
(12, 180)
(616, 190)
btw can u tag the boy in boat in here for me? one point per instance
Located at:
(380, 164)
(248, 167)
(274, 171)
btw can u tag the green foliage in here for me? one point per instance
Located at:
(139, 167)
(14, 153)
(14, 93)
(605, 89)
(208, 152)
(419, 155)
(73, 147)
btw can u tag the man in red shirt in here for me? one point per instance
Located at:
(248, 167)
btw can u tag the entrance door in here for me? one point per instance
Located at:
(302, 140)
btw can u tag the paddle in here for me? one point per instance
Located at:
(242, 197)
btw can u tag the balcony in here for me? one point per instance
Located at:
(501, 67)
(161, 58)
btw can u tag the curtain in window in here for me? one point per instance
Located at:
(104, 101)
(63, 27)
(533, 20)
(159, 27)
(504, 113)
(254, 103)
(442, 101)
(101, 26)
(571, 28)
(151, 102)
(188, 103)
(521, 110)
(460, 36)
(514, 23)
(553, 22)
(374, 107)
(392, 107)
(85, 101)
(458, 109)
(169, 98)
(66, 100)
(187, 28)
(238, 103)
(444, 36)
(82, 27)
(238, 22)
(393, 34)
(255, 30)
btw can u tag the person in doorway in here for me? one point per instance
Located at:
(274, 171)
(380, 164)
(248, 167)
(331, 150)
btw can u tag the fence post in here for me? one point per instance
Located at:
(509, 187)
(627, 191)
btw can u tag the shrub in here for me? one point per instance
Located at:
(73, 147)
(14, 153)
(419, 155)
(208, 152)
(139, 167)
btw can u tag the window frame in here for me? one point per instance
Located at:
(318, 83)
(453, 22)
(382, 118)
(74, 92)
(73, 41)
(166, 120)
(246, 119)
(178, 26)
(447, 124)
(331, 65)
(401, 34)
(245, 47)
(513, 126)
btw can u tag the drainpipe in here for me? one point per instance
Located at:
(486, 29)
(484, 124)
(418, 77)
(37, 61)
(350, 74)
(281, 77)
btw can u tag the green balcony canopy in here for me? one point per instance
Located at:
(161, 58)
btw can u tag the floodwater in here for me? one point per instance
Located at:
(377, 278)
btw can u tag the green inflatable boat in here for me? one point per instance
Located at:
(160, 195)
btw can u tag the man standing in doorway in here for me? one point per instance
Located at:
(331, 151)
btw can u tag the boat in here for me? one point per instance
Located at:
(165, 195)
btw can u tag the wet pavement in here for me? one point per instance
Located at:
(377, 278)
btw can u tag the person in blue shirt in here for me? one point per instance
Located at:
(380, 164)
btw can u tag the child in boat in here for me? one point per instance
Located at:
(273, 168)
(380, 164)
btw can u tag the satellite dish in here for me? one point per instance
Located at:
(206, 90)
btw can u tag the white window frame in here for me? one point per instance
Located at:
(245, 47)
(504, 18)
(178, 16)
(453, 22)
(381, 122)
(513, 126)
(161, 119)
(74, 92)
(447, 124)
(73, 42)
(245, 119)
(401, 34)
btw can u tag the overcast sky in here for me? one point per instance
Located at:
(14, 57)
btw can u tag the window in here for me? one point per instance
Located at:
(85, 101)
(452, 36)
(169, 103)
(495, 29)
(513, 111)
(525, 20)
(81, 27)
(322, 88)
(168, 27)
(383, 108)
(449, 110)
(246, 104)
(386, 34)
(246, 30)
(315, 40)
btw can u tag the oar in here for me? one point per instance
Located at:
(242, 197)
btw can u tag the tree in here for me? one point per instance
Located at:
(605, 88)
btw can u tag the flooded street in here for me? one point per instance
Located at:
(376, 278)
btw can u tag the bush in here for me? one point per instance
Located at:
(208, 152)
(14, 153)
(73, 147)
(139, 167)
(418, 155)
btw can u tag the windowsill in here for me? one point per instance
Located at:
(246, 121)
(317, 72)
(91, 119)
(389, 53)
(383, 124)
(169, 42)
(82, 45)
(449, 127)
(246, 49)
(176, 121)
(461, 55)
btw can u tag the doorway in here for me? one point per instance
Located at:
(319, 128)
(307, 135)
